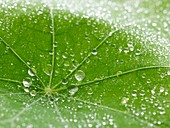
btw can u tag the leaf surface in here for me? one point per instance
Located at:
(84, 64)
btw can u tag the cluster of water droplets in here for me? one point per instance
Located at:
(28, 83)
(151, 106)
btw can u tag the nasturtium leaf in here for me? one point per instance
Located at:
(85, 63)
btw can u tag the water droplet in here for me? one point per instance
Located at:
(90, 125)
(64, 81)
(55, 44)
(134, 94)
(27, 82)
(64, 56)
(33, 93)
(19, 85)
(66, 64)
(126, 50)
(154, 24)
(47, 69)
(148, 81)
(110, 33)
(143, 106)
(80, 75)
(124, 100)
(130, 46)
(153, 91)
(119, 73)
(73, 90)
(168, 73)
(94, 52)
(30, 72)
(138, 52)
(90, 91)
(26, 89)
(51, 53)
(162, 89)
(88, 60)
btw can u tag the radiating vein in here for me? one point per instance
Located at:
(109, 108)
(11, 80)
(20, 112)
(16, 81)
(18, 93)
(57, 110)
(53, 49)
(22, 60)
(120, 74)
(97, 47)
(13, 93)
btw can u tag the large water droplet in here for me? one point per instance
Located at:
(27, 82)
(73, 90)
(30, 72)
(80, 75)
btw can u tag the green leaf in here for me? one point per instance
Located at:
(85, 64)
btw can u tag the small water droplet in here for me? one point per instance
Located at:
(88, 60)
(47, 69)
(64, 81)
(33, 93)
(90, 125)
(154, 24)
(28, 63)
(162, 89)
(94, 52)
(51, 53)
(26, 89)
(119, 73)
(124, 100)
(66, 64)
(80, 75)
(55, 44)
(126, 50)
(134, 94)
(90, 91)
(19, 85)
(73, 90)
(64, 56)
(27, 82)
(153, 91)
(138, 52)
(148, 81)
(110, 33)
(168, 73)
(130, 46)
